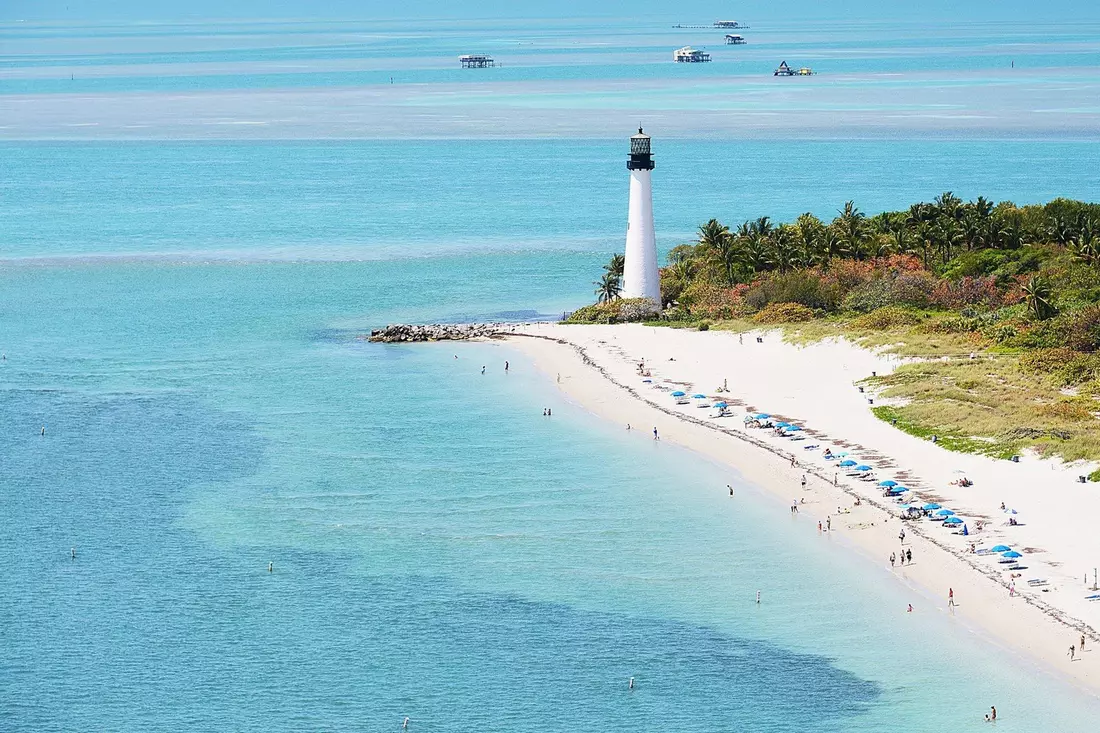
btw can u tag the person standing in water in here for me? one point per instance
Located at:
(482, 368)
(655, 437)
(506, 366)
(993, 712)
(728, 486)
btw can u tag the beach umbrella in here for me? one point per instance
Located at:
(720, 404)
(863, 468)
(931, 505)
(893, 490)
(763, 416)
(793, 428)
(888, 482)
(678, 393)
(782, 424)
(952, 520)
(1001, 548)
(944, 513)
(1012, 554)
(699, 396)
(847, 463)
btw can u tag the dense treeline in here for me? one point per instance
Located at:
(1000, 269)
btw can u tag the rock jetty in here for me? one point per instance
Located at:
(403, 333)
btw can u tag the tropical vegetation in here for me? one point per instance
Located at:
(1018, 286)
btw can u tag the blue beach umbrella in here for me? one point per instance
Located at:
(863, 468)
(1012, 554)
(793, 428)
(888, 482)
(895, 490)
(699, 396)
(932, 505)
(952, 521)
(720, 404)
(678, 393)
(1000, 548)
(782, 424)
(945, 513)
(847, 463)
(763, 416)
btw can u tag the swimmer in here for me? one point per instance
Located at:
(482, 368)
(43, 430)
(910, 608)
(271, 567)
(405, 724)
(72, 555)
(758, 596)
(631, 685)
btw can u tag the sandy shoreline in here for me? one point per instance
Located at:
(596, 366)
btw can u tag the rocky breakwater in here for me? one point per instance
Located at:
(403, 333)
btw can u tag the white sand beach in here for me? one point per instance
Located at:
(813, 387)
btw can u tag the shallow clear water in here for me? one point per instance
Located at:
(182, 317)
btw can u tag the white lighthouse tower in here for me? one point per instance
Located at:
(640, 278)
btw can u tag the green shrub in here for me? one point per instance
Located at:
(889, 317)
(1095, 475)
(704, 325)
(1083, 329)
(623, 310)
(784, 313)
(1045, 361)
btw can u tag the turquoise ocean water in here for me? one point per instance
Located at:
(182, 317)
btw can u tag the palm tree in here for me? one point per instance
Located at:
(949, 205)
(852, 227)
(1086, 247)
(713, 234)
(762, 226)
(1037, 295)
(608, 288)
(781, 253)
(616, 265)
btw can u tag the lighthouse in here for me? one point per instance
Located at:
(640, 279)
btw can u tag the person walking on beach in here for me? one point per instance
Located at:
(803, 482)
(828, 524)
(909, 556)
(794, 506)
(901, 536)
(893, 559)
(1082, 647)
(1072, 649)
(819, 526)
(792, 461)
(950, 597)
(655, 436)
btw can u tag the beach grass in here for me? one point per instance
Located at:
(990, 406)
(987, 405)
